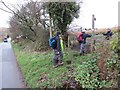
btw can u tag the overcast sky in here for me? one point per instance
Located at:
(105, 11)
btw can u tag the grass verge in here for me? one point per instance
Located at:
(37, 68)
(38, 71)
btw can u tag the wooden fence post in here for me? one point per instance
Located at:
(68, 41)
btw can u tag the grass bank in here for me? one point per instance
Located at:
(37, 68)
(38, 71)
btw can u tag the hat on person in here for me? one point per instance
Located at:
(83, 31)
(109, 29)
(58, 33)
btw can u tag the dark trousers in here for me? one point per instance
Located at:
(58, 56)
(82, 48)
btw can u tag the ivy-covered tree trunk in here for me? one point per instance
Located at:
(62, 15)
(65, 35)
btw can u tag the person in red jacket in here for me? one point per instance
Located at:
(82, 41)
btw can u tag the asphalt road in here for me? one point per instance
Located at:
(10, 76)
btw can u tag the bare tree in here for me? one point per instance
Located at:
(29, 20)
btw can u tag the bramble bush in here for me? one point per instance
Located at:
(87, 74)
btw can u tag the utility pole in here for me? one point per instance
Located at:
(93, 21)
(93, 32)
